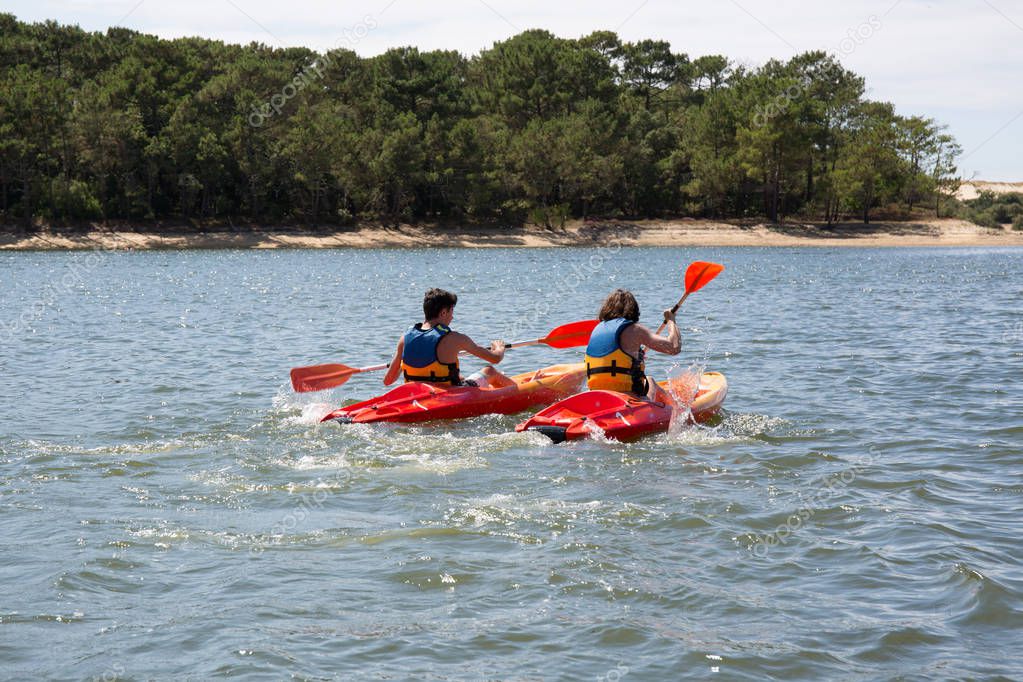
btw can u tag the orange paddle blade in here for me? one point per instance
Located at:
(320, 377)
(570, 335)
(699, 273)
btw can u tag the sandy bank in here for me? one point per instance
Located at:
(944, 232)
(971, 189)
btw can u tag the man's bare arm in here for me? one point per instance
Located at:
(493, 355)
(395, 367)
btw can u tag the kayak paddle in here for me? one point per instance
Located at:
(698, 274)
(322, 377)
(568, 335)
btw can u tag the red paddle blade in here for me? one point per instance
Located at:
(571, 335)
(320, 377)
(699, 273)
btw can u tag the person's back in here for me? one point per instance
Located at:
(609, 366)
(421, 358)
(615, 355)
(428, 351)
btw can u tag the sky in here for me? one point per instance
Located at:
(959, 62)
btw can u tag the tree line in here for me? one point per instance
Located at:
(124, 125)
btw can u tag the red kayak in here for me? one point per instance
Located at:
(622, 416)
(418, 401)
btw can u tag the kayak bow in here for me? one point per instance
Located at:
(621, 416)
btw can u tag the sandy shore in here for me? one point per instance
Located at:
(944, 232)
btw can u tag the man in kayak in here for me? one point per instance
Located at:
(429, 350)
(614, 355)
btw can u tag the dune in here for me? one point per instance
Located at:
(973, 188)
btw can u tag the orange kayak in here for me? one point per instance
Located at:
(418, 401)
(622, 416)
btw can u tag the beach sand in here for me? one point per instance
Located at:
(684, 232)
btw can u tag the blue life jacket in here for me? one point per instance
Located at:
(610, 368)
(419, 360)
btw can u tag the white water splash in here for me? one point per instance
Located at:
(311, 409)
(683, 386)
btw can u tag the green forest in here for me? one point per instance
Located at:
(126, 126)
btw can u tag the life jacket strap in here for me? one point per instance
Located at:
(613, 369)
(451, 377)
(637, 372)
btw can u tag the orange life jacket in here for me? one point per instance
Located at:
(610, 368)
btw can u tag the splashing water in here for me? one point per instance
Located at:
(683, 386)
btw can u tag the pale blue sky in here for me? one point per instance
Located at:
(958, 61)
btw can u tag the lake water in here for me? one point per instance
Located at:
(170, 509)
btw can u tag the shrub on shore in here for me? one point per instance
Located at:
(994, 210)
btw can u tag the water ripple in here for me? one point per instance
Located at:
(170, 510)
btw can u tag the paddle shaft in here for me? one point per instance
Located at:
(697, 276)
(374, 368)
(507, 346)
(349, 371)
(674, 310)
(535, 342)
(321, 377)
(517, 344)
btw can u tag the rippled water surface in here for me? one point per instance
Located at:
(169, 509)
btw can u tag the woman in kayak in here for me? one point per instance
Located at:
(614, 356)
(429, 351)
